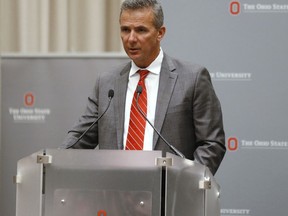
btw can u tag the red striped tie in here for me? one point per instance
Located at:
(137, 123)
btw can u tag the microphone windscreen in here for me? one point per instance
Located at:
(111, 93)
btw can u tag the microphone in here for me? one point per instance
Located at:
(110, 96)
(174, 149)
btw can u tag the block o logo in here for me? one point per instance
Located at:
(232, 144)
(101, 213)
(234, 8)
(29, 99)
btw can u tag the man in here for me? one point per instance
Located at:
(181, 102)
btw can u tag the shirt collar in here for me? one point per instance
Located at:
(154, 67)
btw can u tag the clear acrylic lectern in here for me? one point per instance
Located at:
(62, 182)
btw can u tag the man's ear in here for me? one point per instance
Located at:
(161, 32)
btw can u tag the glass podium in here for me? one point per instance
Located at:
(69, 182)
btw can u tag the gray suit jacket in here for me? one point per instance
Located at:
(188, 113)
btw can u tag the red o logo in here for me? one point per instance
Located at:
(235, 8)
(232, 144)
(101, 213)
(29, 99)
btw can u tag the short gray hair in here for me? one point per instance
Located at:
(138, 4)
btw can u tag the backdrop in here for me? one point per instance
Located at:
(244, 46)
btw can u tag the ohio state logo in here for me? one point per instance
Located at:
(101, 213)
(29, 99)
(232, 144)
(234, 8)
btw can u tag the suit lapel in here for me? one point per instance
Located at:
(166, 86)
(121, 83)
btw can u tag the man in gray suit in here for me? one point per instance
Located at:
(181, 100)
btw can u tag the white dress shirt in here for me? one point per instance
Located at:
(152, 84)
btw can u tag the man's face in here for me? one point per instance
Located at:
(140, 38)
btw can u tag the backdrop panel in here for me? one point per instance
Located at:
(42, 97)
(244, 45)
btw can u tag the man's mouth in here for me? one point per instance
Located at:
(133, 51)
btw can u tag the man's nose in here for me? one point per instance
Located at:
(132, 36)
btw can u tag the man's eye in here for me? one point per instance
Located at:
(142, 30)
(125, 30)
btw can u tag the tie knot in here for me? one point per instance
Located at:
(143, 74)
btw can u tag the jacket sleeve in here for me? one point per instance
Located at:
(208, 122)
